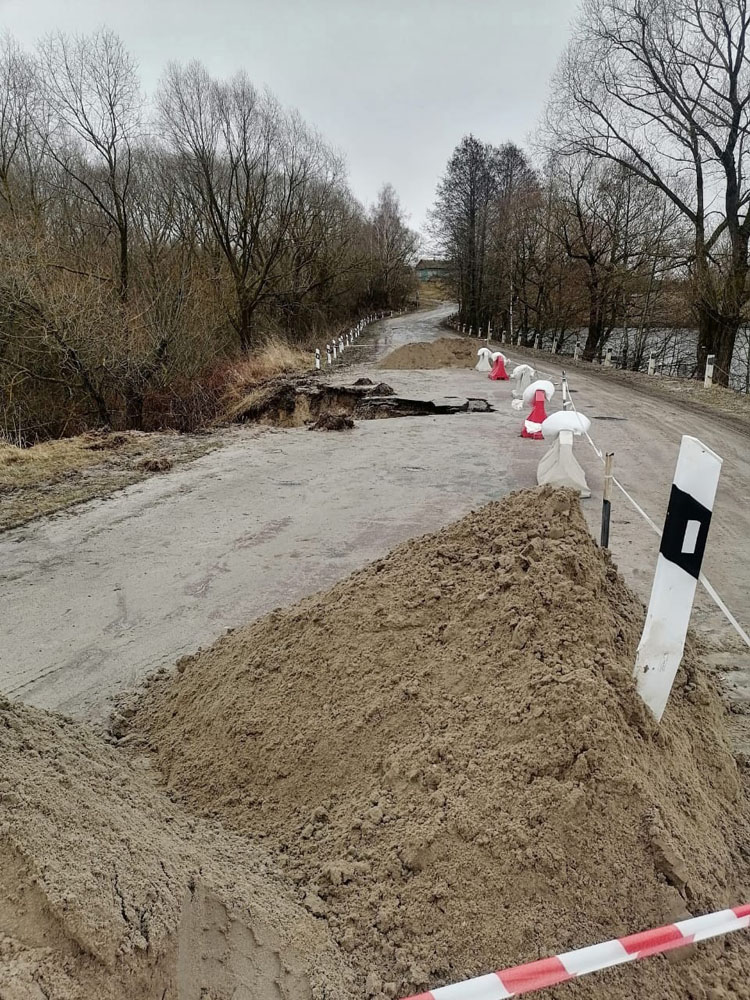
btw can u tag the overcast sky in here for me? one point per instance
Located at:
(393, 84)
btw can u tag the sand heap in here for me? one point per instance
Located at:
(108, 891)
(447, 352)
(447, 754)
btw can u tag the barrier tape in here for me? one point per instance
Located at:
(707, 586)
(520, 979)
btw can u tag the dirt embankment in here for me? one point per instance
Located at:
(447, 352)
(446, 755)
(109, 891)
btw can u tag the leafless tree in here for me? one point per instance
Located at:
(393, 248)
(91, 89)
(662, 88)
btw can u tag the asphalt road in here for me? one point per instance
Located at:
(95, 598)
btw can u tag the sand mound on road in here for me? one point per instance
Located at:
(447, 754)
(448, 352)
(109, 892)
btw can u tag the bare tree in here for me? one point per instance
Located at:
(248, 168)
(662, 88)
(393, 249)
(91, 89)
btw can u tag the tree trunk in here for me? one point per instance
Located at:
(133, 409)
(716, 335)
(596, 325)
(245, 324)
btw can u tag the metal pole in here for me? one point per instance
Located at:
(607, 500)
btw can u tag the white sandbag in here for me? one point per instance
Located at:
(559, 466)
(565, 420)
(520, 370)
(523, 375)
(529, 392)
(483, 365)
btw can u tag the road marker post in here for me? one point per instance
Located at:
(317, 359)
(576, 350)
(554, 345)
(609, 459)
(708, 378)
(329, 359)
(536, 342)
(678, 568)
(341, 345)
(651, 363)
(567, 401)
(608, 358)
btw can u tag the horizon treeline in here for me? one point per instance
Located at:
(147, 244)
(638, 214)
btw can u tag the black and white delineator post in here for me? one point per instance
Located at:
(328, 354)
(708, 377)
(677, 570)
(317, 359)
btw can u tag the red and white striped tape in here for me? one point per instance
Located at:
(561, 968)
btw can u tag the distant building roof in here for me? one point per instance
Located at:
(429, 262)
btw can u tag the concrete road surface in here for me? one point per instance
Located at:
(95, 598)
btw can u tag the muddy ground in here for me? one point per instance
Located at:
(97, 598)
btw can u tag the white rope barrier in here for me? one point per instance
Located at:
(707, 586)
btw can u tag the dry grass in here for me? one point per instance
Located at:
(55, 475)
(245, 388)
(47, 462)
(433, 293)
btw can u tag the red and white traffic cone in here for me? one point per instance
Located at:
(498, 373)
(532, 425)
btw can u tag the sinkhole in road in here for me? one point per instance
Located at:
(289, 402)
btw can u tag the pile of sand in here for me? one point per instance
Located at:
(447, 755)
(447, 352)
(109, 891)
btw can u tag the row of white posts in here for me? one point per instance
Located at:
(336, 347)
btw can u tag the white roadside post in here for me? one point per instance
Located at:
(677, 570)
(489, 332)
(576, 350)
(341, 345)
(317, 359)
(329, 359)
(608, 358)
(708, 378)
(334, 349)
(651, 363)
(536, 342)
(566, 400)
(554, 345)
